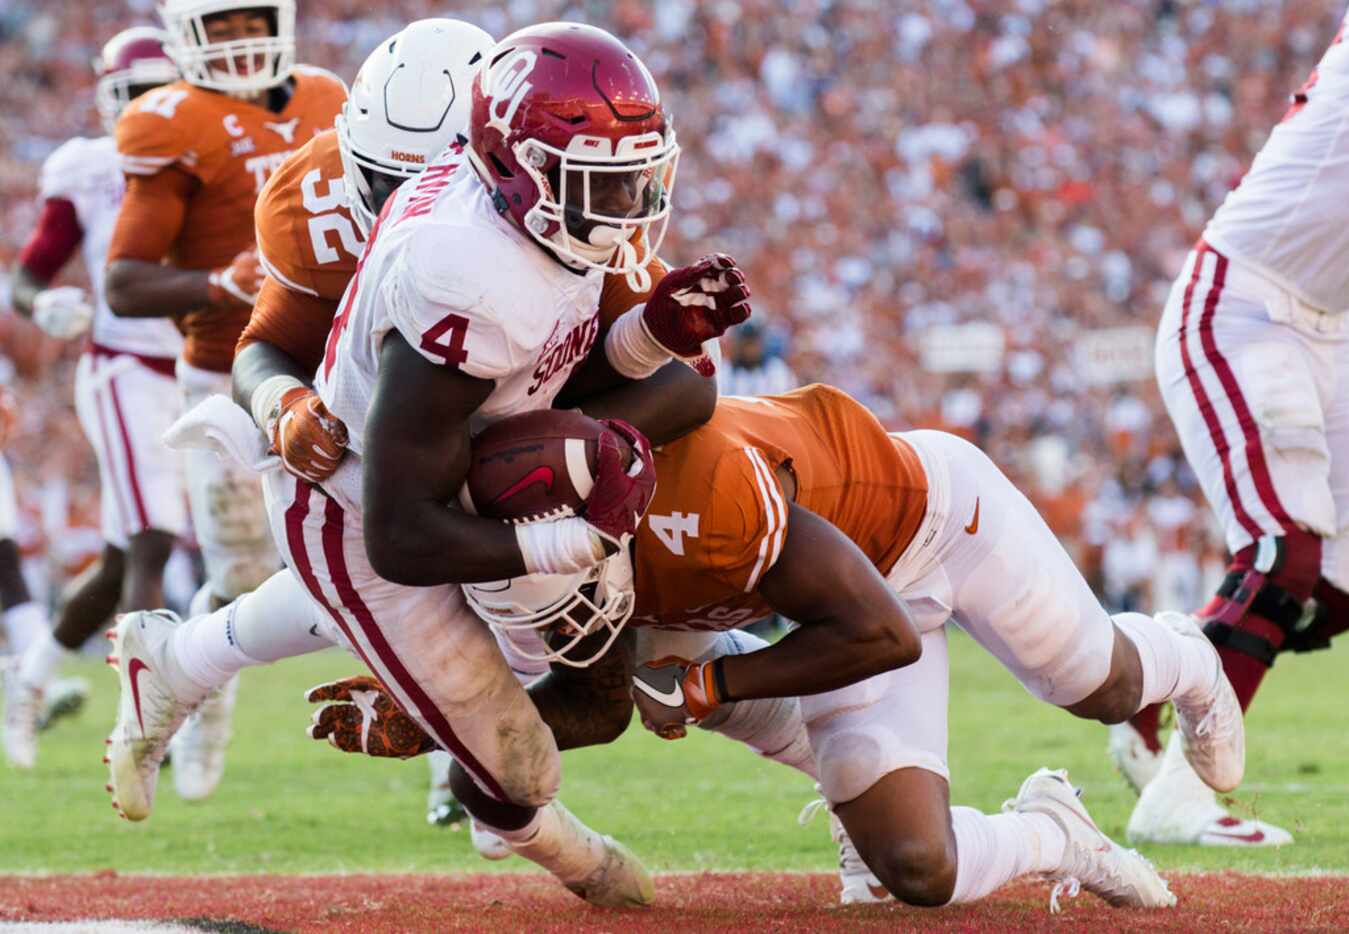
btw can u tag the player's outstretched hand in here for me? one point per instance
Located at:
(239, 282)
(622, 491)
(671, 693)
(309, 438)
(358, 716)
(697, 303)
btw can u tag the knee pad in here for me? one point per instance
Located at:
(1263, 600)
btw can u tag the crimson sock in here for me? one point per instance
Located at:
(1245, 673)
(1147, 722)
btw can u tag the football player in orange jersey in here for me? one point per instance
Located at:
(196, 153)
(804, 505)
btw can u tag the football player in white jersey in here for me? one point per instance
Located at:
(1252, 354)
(476, 297)
(124, 387)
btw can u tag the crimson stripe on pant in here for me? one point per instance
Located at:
(130, 458)
(1255, 450)
(296, 513)
(390, 667)
(109, 454)
(1201, 398)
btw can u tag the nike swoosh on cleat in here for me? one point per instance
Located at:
(673, 698)
(1256, 836)
(541, 474)
(133, 672)
(878, 891)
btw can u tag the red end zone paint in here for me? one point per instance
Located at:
(725, 901)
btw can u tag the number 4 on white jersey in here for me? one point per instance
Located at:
(671, 529)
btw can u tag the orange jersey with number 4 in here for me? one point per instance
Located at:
(718, 521)
(229, 148)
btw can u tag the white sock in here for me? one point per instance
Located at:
(556, 840)
(24, 624)
(40, 662)
(207, 653)
(994, 849)
(1173, 665)
(277, 621)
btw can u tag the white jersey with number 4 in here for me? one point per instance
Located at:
(87, 173)
(1289, 217)
(466, 289)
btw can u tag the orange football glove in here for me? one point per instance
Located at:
(358, 716)
(309, 438)
(670, 693)
(239, 282)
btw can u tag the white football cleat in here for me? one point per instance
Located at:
(593, 866)
(148, 713)
(63, 698)
(1177, 807)
(1090, 858)
(859, 884)
(23, 706)
(1135, 761)
(1211, 727)
(199, 748)
(488, 844)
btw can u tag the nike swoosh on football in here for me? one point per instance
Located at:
(133, 671)
(974, 523)
(540, 474)
(673, 698)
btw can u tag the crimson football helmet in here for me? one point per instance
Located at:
(562, 112)
(131, 63)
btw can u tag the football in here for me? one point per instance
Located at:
(535, 465)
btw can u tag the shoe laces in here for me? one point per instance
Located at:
(849, 860)
(1069, 887)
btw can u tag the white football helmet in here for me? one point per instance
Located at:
(573, 606)
(241, 66)
(410, 100)
(130, 63)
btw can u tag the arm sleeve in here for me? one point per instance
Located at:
(741, 536)
(292, 322)
(54, 240)
(151, 215)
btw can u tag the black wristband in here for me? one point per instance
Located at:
(719, 681)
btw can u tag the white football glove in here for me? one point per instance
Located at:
(63, 312)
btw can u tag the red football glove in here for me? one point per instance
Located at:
(697, 303)
(357, 716)
(309, 438)
(238, 283)
(670, 693)
(622, 492)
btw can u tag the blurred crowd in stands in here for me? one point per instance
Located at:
(886, 173)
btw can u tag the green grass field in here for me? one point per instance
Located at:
(288, 804)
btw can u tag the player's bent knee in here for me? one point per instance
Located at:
(917, 872)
